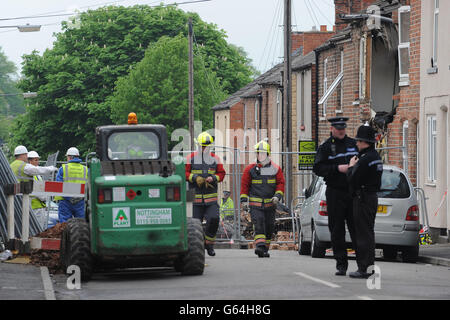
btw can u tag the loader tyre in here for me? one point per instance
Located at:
(76, 247)
(193, 262)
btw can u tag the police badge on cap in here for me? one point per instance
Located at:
(339, 122)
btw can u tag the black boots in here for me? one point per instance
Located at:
(210, 250)
(262, 252)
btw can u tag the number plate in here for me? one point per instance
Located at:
(382, 210)
(153, 216)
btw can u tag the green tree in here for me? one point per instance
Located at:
(157, 87)
(75, 78)
(12, 103)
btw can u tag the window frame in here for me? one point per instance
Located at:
(435, 32)
(432, 148)
(403, 77)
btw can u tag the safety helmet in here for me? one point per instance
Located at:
(20, 150)
(262, 146)
(73, 152)
(132, 118)
(33, 154)
(205, 139)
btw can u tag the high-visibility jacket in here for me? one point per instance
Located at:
(37, 203)
(227, 207)
(204, 164)
(261, 183)
(73, 172)
(18, 167)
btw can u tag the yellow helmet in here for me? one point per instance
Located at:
(262, 146)
(205, 139)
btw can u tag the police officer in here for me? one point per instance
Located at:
(262, 187)
(364, 176)
(204, 171)
(331, 162)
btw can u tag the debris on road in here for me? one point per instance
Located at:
(49, 258)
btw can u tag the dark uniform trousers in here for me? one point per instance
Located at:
(264, 224)
(210, 213)
(340, 212)
(365, 206)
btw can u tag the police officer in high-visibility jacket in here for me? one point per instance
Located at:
(204, 171)
(262, 187)
(73, 171)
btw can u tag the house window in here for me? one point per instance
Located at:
(325, 85)
(362, 68)
(432, 143)
(435, 32)
(405, 146)
(404, 14)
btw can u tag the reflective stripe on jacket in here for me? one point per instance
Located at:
(204, 164)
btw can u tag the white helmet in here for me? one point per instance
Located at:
(73, 152)
(33, 154)
(20, 150)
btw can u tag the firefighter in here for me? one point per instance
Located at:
(331, 162)
(204, 171)
(73, 171)
(262, 187)
(364, 176)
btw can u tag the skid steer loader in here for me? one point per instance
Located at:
(137, 207)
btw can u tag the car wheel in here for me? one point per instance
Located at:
(390, 253)
(304, 248)
(411, 254)
(317, 251)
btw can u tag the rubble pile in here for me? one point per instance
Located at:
(49, 258)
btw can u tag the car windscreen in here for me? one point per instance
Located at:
(133, 145)
(394, 185)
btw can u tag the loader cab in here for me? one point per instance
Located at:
(134, 143)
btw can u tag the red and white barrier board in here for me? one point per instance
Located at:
(53, 188)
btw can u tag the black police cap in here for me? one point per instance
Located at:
(366, 133)
(339, 122)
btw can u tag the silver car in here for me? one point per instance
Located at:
(396, 225)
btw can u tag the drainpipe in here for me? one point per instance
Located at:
(260, 99)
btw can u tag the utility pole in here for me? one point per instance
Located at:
(191, 86)
(287, 94)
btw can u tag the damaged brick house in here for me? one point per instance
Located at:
(255, 112)
(369, 71)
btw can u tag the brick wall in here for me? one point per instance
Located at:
(309, 40)
(409, 100)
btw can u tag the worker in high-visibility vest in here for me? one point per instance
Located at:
(38, 204)
(262, 187)
(25, 171)
(73, 171)
(204, 171)
(226, 207)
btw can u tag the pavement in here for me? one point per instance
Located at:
(20, 280)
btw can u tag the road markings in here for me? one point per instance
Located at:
(364, 298)
(329, 284)
(48, 286)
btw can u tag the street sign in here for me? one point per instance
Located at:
(306, 155)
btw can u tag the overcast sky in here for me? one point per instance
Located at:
(255, 25)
